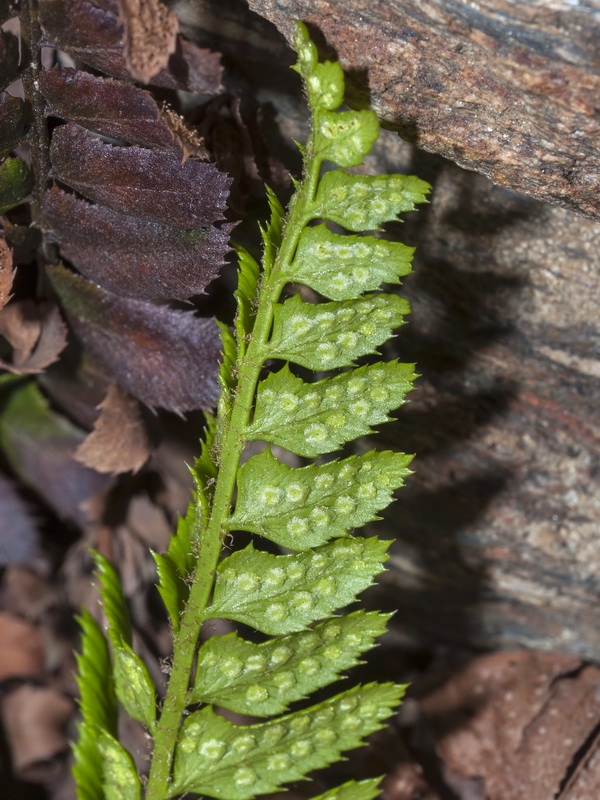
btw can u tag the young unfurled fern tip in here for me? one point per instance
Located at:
(312, 511)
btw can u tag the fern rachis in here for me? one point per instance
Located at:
(310, 510)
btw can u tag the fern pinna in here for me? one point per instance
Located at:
(311, 510)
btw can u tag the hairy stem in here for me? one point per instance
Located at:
(232, 444)
(40, 138)
(39, 134)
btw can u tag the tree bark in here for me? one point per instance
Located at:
(509, 89)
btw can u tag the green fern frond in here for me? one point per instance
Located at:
(120, 780)
(133, 685)
(282, 594)
(87, 764)
(290, 599)
(271, 236)
(246, 296)
(314, 418)
(97, 698)
(237, 762)
(323, 336)
(342, 267)
(177, 564)
(300, 508)
(113, 600)
(353, 790)
(98, 705)
(263, 679)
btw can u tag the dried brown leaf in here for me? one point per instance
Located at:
(117, 109)
(94, 34)
(36, 333)
(25, 593)
(35, 720)
(85, 31)
(154, 186)
(7, 273)
(23, 652)
(188, 140)
(134, 257)
(12, 122)
(9, 58)
(149, 522)
(196, 67)
(76, 385)
(39, 445)
(164, 357)
(20, 324)
(150, 35)
(107, 106)
(120, 440)
(18, 534)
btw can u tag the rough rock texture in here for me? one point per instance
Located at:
(509, 89)
(498, 528)
(506, 726)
